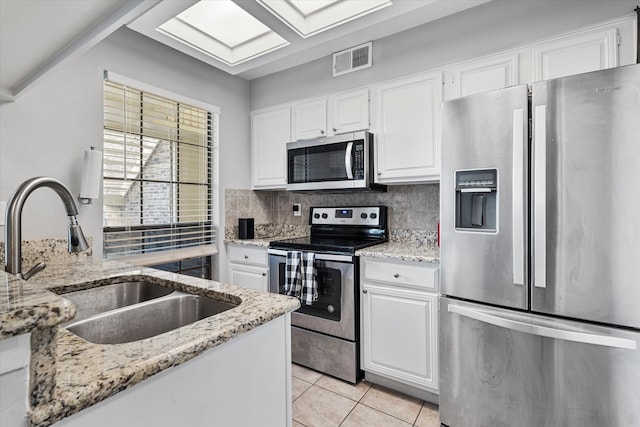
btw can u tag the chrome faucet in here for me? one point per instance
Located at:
(13, 224)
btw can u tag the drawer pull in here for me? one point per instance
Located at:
(246, 257)
(264, 274)
(364, 291)
(396, 275)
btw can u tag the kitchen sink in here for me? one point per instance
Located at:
(147, 319)
(130, 308)
(90, 302)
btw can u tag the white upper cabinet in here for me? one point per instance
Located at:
(575, 54)
(405, 123)
(270, 132)
(349, 111)
(310, 119)
(482, 75)
(340, 113)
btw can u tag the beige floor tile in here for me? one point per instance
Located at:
(318, 407)
(305, 374)
(429, 416)
(353, 392)
(364, 416)
(298, 387)
(393, 403)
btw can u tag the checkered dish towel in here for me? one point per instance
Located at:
(300, 276)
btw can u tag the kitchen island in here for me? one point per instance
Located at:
(209, 370)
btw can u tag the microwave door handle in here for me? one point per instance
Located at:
(347, 160)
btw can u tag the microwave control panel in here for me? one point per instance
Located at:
(358, 159)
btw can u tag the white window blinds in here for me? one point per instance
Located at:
(157, 173)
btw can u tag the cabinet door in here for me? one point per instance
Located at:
(270, 132)
(310, 119)
(406, 128)
(399, 335)
(590, 51)
(249, 277)
(349, 112)
(483, 75)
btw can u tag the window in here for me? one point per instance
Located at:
(158, 175)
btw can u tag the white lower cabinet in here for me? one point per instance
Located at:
(399, 307)
(248, 267)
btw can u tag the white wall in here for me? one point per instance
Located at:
(492, 27)
(47, 129)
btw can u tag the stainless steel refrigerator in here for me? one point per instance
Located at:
(540, 254)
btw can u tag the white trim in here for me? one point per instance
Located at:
(162, 257)
(135, 84)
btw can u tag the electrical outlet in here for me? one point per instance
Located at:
(297, 210)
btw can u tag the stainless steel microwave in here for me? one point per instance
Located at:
(336, 163)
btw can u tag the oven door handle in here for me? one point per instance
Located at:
(319, 256)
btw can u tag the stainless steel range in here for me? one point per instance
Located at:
(325, 334)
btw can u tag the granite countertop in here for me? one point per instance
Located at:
(261, 243)
(404, 250)
(413, 248)
(71, 374)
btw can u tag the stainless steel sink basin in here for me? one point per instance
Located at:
(90, 302)
(147, 319)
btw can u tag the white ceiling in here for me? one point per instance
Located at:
(36, 35)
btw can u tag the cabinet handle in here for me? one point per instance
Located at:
(322, 131)
(335, 130)
(396, 275)
(364, 291)
(246, 257)
(264, 274)
(379, 173)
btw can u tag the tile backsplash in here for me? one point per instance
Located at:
(410, 207)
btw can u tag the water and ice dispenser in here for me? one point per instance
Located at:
(476, 200)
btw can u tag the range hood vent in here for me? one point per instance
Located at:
(353, 59)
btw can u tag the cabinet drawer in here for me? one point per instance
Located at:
(248, 255)
(411, 274)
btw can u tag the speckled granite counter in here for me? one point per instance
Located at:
(25, 306)
(70, 374)
(405, 251)
(261, 243)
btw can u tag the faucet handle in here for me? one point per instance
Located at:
(35, 269)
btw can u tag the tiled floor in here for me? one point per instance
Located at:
(322, 401)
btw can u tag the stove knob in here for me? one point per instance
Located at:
(363, 215)
(316, 216)
(325, 216)
(374, 215)
(331, 308)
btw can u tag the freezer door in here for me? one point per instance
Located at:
(484, 258)
(503, 368)
(586, 196)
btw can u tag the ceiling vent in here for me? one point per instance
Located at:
(353, 59)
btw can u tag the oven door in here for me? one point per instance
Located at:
(334, 313)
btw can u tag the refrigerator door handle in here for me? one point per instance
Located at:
(540, 197)
(544, 331)
(517, 196)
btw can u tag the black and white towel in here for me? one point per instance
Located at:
(300, 276)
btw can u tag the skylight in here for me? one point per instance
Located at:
(222, 29)
(311, 17)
